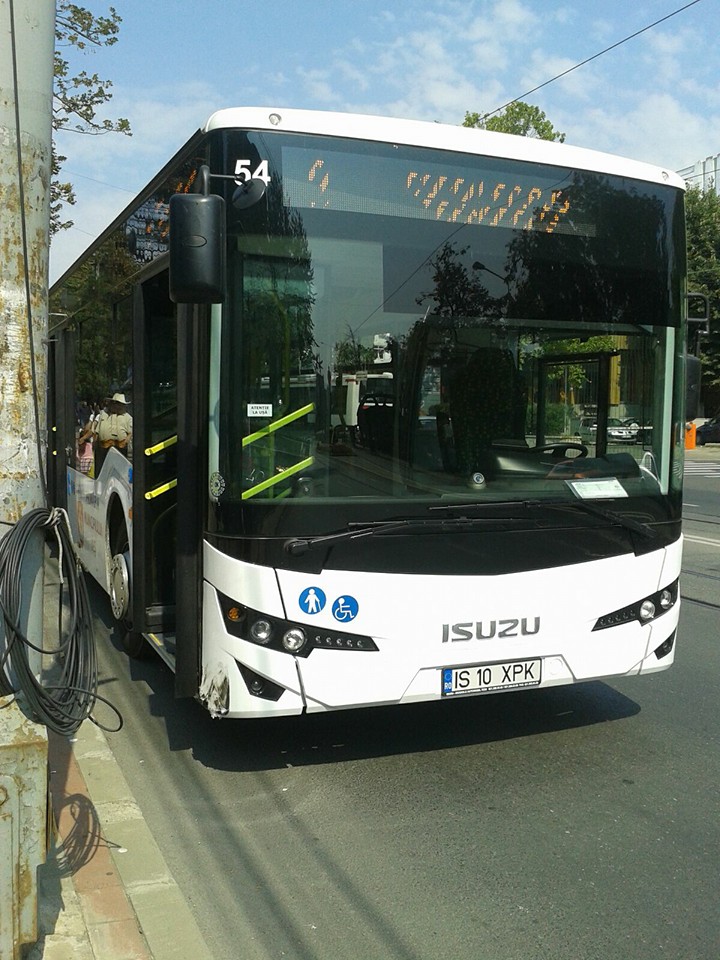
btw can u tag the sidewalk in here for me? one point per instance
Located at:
(708, 451)
(105, 892)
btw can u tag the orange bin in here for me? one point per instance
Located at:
(690, 431)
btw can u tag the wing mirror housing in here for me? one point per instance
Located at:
(197, 246)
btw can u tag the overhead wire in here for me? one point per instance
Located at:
(595, 56)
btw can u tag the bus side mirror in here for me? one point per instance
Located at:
(693, 373)
(197, 248)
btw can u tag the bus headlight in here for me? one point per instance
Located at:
(261, 631)
(647, 610)
(294, 639)
(644, 611)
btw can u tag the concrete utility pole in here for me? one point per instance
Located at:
(27, 37)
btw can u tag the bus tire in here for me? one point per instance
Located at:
(133, 643)
(120, 585)
(120, 581)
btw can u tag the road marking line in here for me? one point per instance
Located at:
(712, 543)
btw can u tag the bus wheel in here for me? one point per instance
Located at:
(120, 585)
(132, 642)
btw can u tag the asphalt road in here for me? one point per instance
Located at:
(565, 824)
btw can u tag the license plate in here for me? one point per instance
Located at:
(484, 677)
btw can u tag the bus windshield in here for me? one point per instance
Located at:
(447, 327)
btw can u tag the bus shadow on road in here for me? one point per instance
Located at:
(373, 732)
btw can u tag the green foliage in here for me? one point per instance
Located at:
(557, 417)
(575, 374)
(519, 118)
(77, 99)
(351, 355)
(94, 296)
(703, 235)
(456, 293)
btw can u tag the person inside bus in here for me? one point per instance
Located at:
(114, 428)
(84, 449)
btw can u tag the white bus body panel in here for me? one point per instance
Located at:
(88, 501)
(548, 614)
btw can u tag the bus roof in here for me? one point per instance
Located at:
(439, 136)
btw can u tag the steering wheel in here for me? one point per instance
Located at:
(560, 450)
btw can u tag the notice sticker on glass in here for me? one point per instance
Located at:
(259, 410)
(603, 488)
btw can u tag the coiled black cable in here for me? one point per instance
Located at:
(64, 705)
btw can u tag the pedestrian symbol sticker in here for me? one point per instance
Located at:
(312, 600)
(345, 609)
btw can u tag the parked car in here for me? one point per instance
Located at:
(617, 432)
(708, 432)
(632, 424)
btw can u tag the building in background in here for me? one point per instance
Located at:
(703, 173)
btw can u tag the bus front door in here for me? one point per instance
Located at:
(155, 428)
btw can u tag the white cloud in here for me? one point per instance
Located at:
(318, 86)
(108, 171)
(655, 98)
(658, 129)
(516, 15)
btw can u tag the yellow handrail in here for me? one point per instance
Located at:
(276, 478)
(282, 422)
(158, 491)
(163, 445)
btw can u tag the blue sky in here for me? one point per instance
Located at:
(655, 98)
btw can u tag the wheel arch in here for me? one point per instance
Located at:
(118, 526)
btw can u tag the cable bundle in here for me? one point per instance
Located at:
(63, 706)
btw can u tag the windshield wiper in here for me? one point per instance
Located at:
(297, 546)
(629, 523)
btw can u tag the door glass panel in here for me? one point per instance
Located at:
(159, 447)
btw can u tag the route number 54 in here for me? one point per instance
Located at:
(244, 172)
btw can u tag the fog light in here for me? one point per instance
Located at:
(664, 649)
(261, 631)
(294, 639)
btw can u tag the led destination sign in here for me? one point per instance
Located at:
(519, 200)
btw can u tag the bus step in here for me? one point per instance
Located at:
(164, 645)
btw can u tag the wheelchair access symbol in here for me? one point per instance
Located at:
(345, 609)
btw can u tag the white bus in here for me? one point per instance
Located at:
(455, 534)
